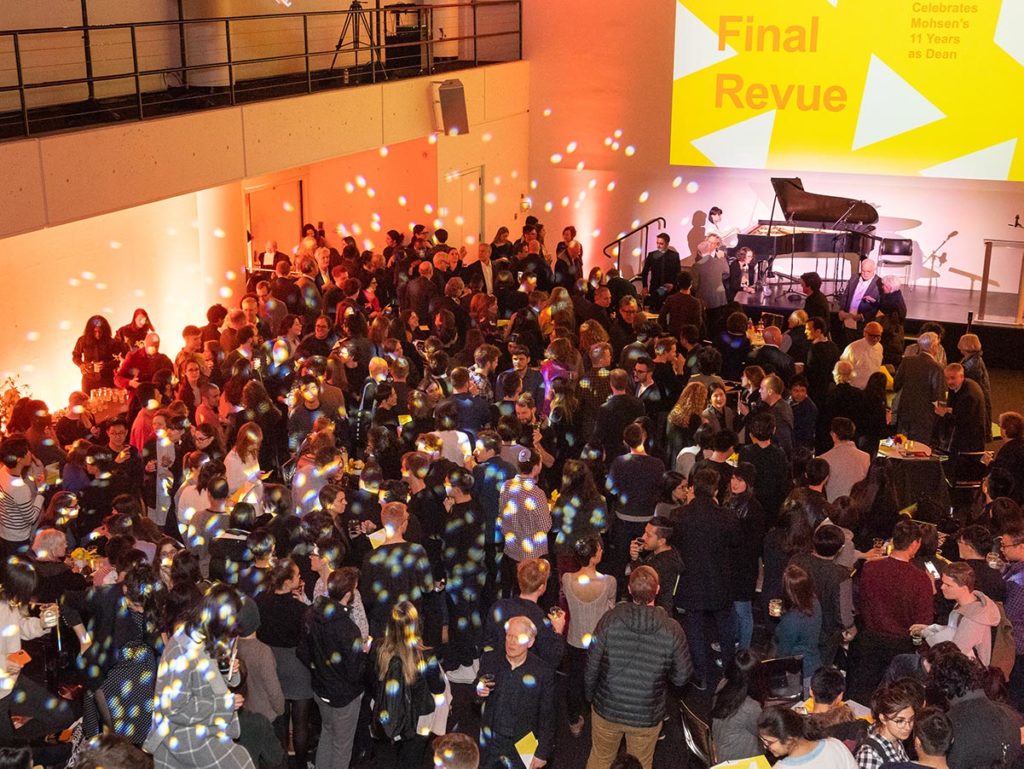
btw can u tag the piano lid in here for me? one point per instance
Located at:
(799, 205)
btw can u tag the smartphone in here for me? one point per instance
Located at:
(20, 657)
(930, 568)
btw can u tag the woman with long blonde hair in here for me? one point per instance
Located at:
(242, 464)
(685, 417)
(404, 662)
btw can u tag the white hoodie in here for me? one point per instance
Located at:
(969, 627)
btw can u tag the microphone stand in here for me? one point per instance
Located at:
(836, 280)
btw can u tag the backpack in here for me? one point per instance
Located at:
(1004, 650)
(397, 706)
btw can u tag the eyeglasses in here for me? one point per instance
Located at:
(901, 722)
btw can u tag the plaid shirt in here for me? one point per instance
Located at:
(525, 518)
(1014, 606)
(876, 751)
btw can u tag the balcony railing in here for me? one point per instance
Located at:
(60, 78)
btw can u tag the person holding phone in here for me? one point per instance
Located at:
(20, 695)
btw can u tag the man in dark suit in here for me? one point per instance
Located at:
(964, 416)
(860, 300)
(602, 307)
(660, 271)
(919, 382)
(619, 287)
(417, 294)
(651, 394)
(705, 538)
(682, 308)
(482, 268)
(772, 359)
(619, 410)
(816, 303)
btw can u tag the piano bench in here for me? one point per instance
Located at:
(904, 264)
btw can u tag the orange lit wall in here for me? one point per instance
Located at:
(600, 113)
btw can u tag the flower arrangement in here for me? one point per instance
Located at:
(11, 391)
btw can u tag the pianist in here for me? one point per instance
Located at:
(714, 226)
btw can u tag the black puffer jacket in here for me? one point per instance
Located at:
(636, 651)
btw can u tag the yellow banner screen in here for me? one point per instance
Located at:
(907, 87)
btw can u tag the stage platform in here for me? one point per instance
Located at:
(1002, 340)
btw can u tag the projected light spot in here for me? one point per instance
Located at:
(692, 187)
(677, 182)
(367, 244)
(384, 152)
(491, 198)
(497, 181)
(403, 200)
(570, 147)
(644, 196)
(360, 181)
(515, 173)
(486, 137)
(219, 233)
(230, 275)
(533, 184)
(547, 112)
(592, 184)
(74, 282)
(556, 157)
(288, 206)
(350, 187)
(432, 139)
(607, 141)
(115, 244)
(611, 186)
(101, 286)
(595, 234)
(357, 230)
(617, 133)
(549, 206)
(375, 226)
(371, 192)
(171, 231)
(64, 325)
(636, 251)
(32, 336)
(428, 209)
(88, 276)
(438, 223)
(460, 220)
(138, 293)
(615, 146)
(580, 166)
(565, 201)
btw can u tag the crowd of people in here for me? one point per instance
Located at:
(387, 482)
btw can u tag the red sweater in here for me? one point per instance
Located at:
(893, 596)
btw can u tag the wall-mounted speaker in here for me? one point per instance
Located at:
(449, 100)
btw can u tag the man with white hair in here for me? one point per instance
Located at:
(708, 274)
(918, 384)
(860, 300)
(771, 358)
(865, 354)
(518, 693)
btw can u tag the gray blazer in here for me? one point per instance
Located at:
(919, 382)
(707, 274)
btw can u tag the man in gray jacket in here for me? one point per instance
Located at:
(919, 383)
(636, 652)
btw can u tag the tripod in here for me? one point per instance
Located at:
(355, 17)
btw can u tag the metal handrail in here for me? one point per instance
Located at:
(315, 79)
(643, 229)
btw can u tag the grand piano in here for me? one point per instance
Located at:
(812, 224)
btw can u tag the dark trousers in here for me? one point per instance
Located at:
(404, 754)
(703, 627)
(575, 700)
(49, 713)
(500, 753)
(1015, 689)
(870, 656)
(297, 713)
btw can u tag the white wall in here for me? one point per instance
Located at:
(623, 82)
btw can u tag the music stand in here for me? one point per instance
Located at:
(355, 17)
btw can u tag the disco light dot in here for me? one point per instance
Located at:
(28, 368)
(547, 112)
(371, 192)
(634, 224)
(533, 184)
(617, 133)
(64, 325)
(442, 211)
(230, 275)
(219, 233)
(375, 226)
(486, 137)
(549, 206)
(74, 282)
(515, 173)
(101, 286)
(497, 181)
(357, 230)
(432, 139)
(139, 292)
(556, 157)
(644, 195)
(692, 187)
(88, 276)
(592, 184)
(360, 181)
(340, 229)
(403, 200)
(375, 216)
(472, 187)
(460, 220)
(630, 150)
(677, 181)
(636, 251)
(470, 240)
(32, 336)
(570, 147)
(615, 146)
(171, 231)
(367, 244)
(595, 234)
(576, 205)
(565, 201)
(491, 197)
(350, 187)
(438, 223)
(684, 221)
(580, 166)
(611, 186)
(428, 209)
(384, 152)
(225, 292)
(287, 206)
(115, 244)
(607, 141)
